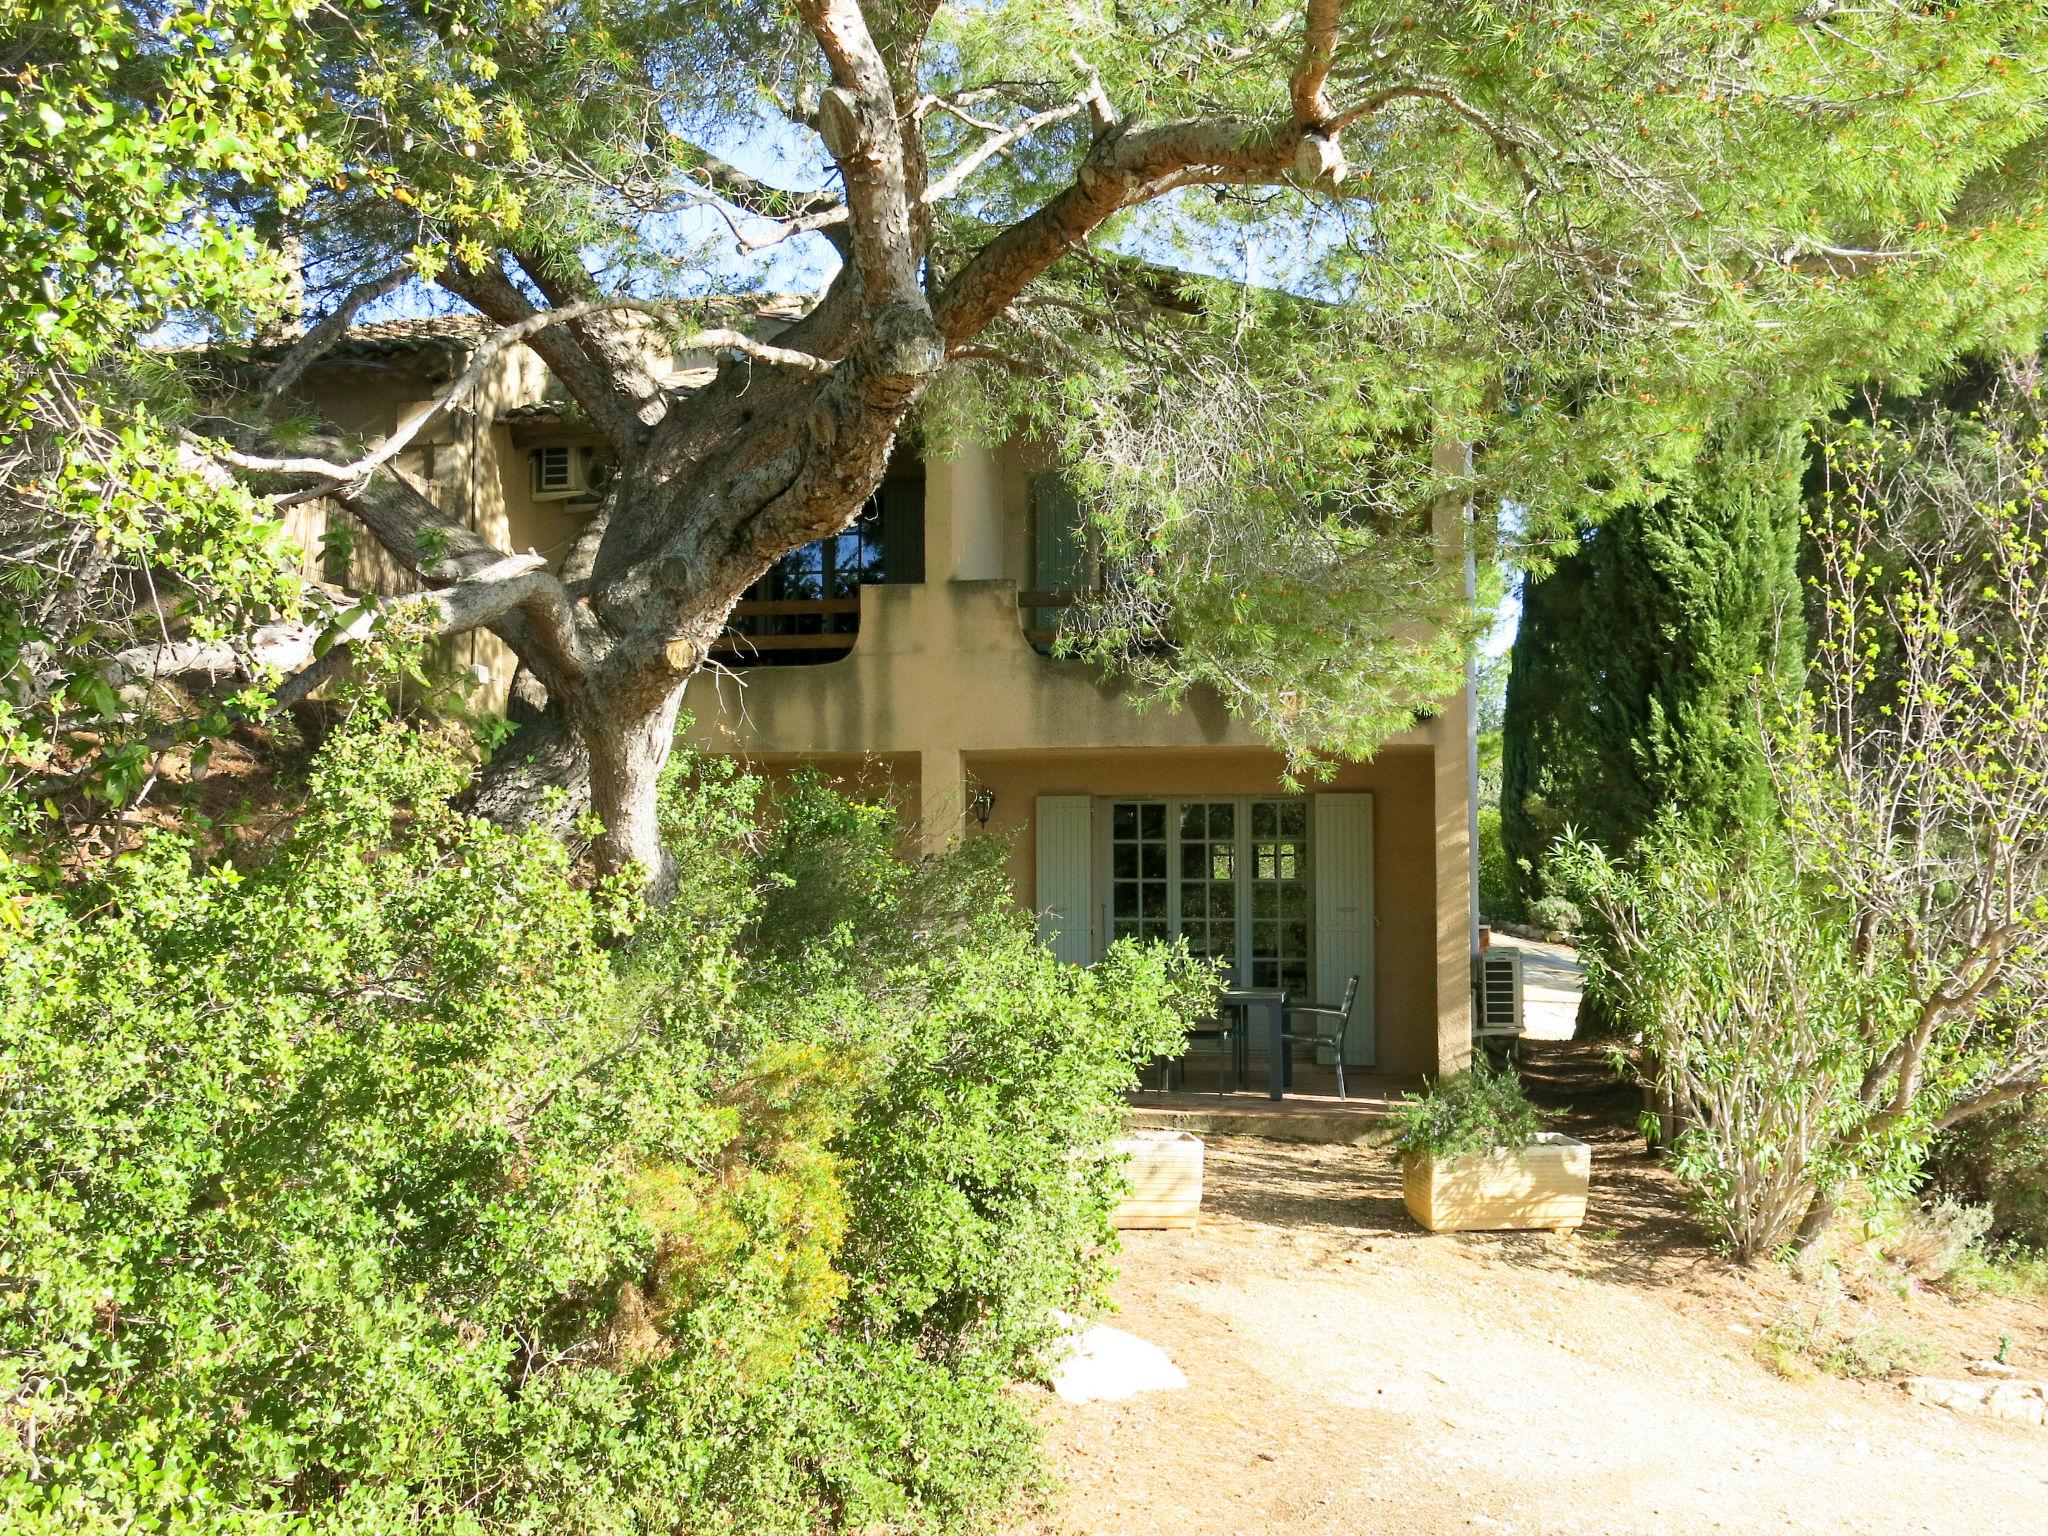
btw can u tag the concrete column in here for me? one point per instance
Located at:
(942, 798)
(963, 517)
(1453, 844)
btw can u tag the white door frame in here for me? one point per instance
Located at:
(1104, 877)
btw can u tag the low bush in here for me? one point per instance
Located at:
(1834, 1333)
(394, 1178)
(1928, 1242)
(1797, 1345)
(1482, 1109)
(2000, 1160)
(1996, 1268)
(1735, 985)
(1556, 913)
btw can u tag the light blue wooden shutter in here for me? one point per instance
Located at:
(1341, 857)
(1066, 888)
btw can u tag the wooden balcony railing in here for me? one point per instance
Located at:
(785, 628)
(809, 624)
(1031, 604)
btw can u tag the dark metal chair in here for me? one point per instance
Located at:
(1229, 1028)
(1317, 1034)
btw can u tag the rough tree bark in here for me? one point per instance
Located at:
(789, 440)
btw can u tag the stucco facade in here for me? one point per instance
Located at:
(943, 703)
(943, 696)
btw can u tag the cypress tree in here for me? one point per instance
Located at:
(1635, 664)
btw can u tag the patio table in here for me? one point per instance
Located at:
(1275, 1004)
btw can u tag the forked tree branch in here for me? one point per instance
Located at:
(330, 476)
(312, 346)
(995, 144)
(614, 407)
(857, 120)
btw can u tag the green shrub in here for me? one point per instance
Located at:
(1929, 1242)
(1481, 1109)
(1831, 1335)
(1736, 981)
(1998, 1268)
(370, 1183)
(1499, 898)
(2000, 1159)
(1555, 913)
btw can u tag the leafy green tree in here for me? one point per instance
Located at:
(1568, 231)
(1636, 663)
(121, 128)
(387, 1176)
(1828, 988)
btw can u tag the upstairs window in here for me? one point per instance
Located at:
(1063, 561)
(807, 608)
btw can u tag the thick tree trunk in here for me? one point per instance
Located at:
(543, 757)
(607, 760)
(626, 750)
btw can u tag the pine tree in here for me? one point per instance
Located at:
(1635, 666)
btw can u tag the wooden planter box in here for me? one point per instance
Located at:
(1541, 1186)
(1166, 1180)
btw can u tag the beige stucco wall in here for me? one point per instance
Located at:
(941, 690)
(1404, 904)
(467, 461)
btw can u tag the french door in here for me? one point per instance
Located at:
(1230, 875)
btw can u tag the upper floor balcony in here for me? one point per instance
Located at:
(807, 610)
(931, 619)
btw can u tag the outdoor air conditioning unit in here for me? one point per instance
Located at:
(1500, 995)
(561, 472)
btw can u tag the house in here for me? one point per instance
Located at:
(909, 655)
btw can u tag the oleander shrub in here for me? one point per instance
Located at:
(394, 1177)
(1733, 982)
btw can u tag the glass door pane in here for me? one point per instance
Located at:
(1208, 871)
(1279, 895)
(1138, 871)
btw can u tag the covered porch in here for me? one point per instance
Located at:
(1208, 1099)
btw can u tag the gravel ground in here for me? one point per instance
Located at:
(1350, 1373)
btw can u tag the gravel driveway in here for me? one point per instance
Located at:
(1349, 1373)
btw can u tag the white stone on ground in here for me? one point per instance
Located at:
(1095, 1363)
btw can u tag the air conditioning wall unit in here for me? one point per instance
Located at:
(1500, 995)
(562, 471)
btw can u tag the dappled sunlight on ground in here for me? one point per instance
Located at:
(1350, 1373)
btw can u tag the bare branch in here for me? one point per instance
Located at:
(614, 400)
(330, 475)
(314, 344)
(994, 145)
(512, 583)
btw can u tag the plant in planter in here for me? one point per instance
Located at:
(1475, 1157)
